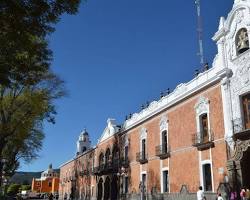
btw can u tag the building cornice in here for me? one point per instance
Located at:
(181, 92)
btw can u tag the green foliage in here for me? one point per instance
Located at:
(25, 187)
(24, 27)
(28, 87)
(13, 189)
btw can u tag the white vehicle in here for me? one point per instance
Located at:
(24, 194)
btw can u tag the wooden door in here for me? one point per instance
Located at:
(204, 128)
(246, 110)
(164, 142)
(143, 149)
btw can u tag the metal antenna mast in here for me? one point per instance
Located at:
(200, 30)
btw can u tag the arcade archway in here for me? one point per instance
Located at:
(107, 189)
(114, 188)
(99, 189)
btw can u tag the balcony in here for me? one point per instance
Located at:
(111, 166)
(201, 142)
(124, 162)
(240, 130)
(142, 157)
(99, 169)
(84, 172)
(162, 151)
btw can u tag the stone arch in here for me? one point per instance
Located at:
(107, 155)
(240, 148)
(114, 188)
(235, 14)
(101, 159)
(143, 133)
(115, 153)
(163, 123)
(100, 189)
(106, 189)
(241, 41)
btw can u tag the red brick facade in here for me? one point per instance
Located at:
(186, 139)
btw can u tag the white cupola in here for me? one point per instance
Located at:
(83, 142)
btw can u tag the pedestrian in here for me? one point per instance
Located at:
(200, 194)
(65, 196)
(233, 194)
(219, 197)
(243, 193)
(50, 196)
(247, 194)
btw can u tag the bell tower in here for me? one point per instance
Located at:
(83, 142)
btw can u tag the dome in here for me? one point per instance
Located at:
(50, 172)
(83, 135)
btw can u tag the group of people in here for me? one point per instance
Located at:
(245, 194)
(201, 196)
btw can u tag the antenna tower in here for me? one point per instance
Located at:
(200, 31)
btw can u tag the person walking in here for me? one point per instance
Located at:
(247, 194)
(243, 194)
(200, 194)
(219, 197)
(50, 196)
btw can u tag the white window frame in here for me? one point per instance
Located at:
(201, 108)
(204, 162)
(162, 179)
(144, 173)
(143, 135)
(163, 127)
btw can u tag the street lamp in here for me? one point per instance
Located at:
(3, 180)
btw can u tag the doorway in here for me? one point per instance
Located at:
(246, 110)
(107, 189)
(100, 189)
(114, 188)
(245, 166)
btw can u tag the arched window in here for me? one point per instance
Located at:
(84, 149)
(107, 156)
(242, 41)
(101, 159)
(115, 154)
(164, 141)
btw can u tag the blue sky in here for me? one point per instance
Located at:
(115, 55)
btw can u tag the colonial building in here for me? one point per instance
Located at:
(48, 183)
(198, 134)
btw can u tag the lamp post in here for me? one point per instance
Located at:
(2, 163)
(3, 180)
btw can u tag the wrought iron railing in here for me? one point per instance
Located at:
(162, 150)
(141, 157)
(111, 165)
(84, 172)
(200, 137)
(124, 162)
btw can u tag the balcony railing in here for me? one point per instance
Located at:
(85, 172)
(99, 169)
(203, 142)
(142, 157)
(162, 151)
(124, 162)
(240, 130)
(111, 166)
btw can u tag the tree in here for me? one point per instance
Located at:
(24, 29)
(28, 87)
(13, 189)
(25, 187)
(22, 113)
